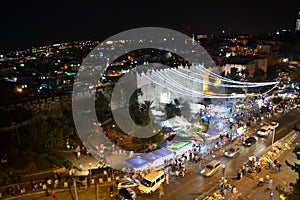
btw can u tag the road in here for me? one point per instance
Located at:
(193, 184)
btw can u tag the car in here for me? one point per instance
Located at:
(274, 124)
(211, 168)
(231, 152)
(152, 181)
(250, 141)
(279, 110)
(127, 194)
(265, 131)
(101, 170)
(127, 183)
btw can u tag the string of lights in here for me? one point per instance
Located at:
(174, 86)
(217, 76)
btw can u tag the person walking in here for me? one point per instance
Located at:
(267, 178)
(270, 184)
(167, 178)
(80, 167)
(271, 195)
(161, 191)
(53, 194)
(260, 182)
(182, 172)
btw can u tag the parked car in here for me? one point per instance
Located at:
(101, 170)
(231, 152)
(127, 194)
(250, 141)
(127, 183)
(211, 168)
(265, 131)
(274, 124)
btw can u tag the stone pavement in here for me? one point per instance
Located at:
(247, 186)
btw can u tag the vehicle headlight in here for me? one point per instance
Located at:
(202, 171)
(226, 153)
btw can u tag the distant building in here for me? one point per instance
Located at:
(244, 63)
(298, 23)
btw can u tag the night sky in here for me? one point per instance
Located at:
(26, 24)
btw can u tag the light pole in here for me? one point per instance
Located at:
(112, 170)
(273, 135)
(90, 171)
(223, 170)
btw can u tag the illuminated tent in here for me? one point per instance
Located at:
(149, 160)
(137, 163)
(154, 159)
(181, 147)
(165, 154)
(158, 157)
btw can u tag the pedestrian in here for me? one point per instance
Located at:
(80, 167)
(47, 193)
(271, 195)
(53, 194)
(78, 155)
(68, 146)
(270, 184)
(278, 166)
(167, 178)
(267, 178)
(239, 175)
(161, 191)
(260, 182)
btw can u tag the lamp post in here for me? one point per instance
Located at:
(273, 135)
(90, 174)
(223, 170)
(112, 170)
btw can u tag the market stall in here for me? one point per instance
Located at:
(137, 163)
(181, 147)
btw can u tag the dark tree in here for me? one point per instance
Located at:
(49, 131)
(102, 107)
(170, 110)
(294, 193)
(259, 75)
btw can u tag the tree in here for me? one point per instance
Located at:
(170, 110)
(259, 75)
(295, 76)
(102, 107)
(157, 138)
(294, 193)
(186, 110)
(276, 100)
(49, 131)
(146, 106)
(134, 106)
(234, 74)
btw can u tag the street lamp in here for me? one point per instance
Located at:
(273, 135)
(223, 170)
(90, 172)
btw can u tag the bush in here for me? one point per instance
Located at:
(42, 161)
(13, 152)
(20, 162)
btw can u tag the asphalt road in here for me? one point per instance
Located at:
(193, 184)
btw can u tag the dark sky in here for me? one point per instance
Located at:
(25, 24)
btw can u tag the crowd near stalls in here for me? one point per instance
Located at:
(157, 159)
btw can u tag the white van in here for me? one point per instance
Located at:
(152, 181)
